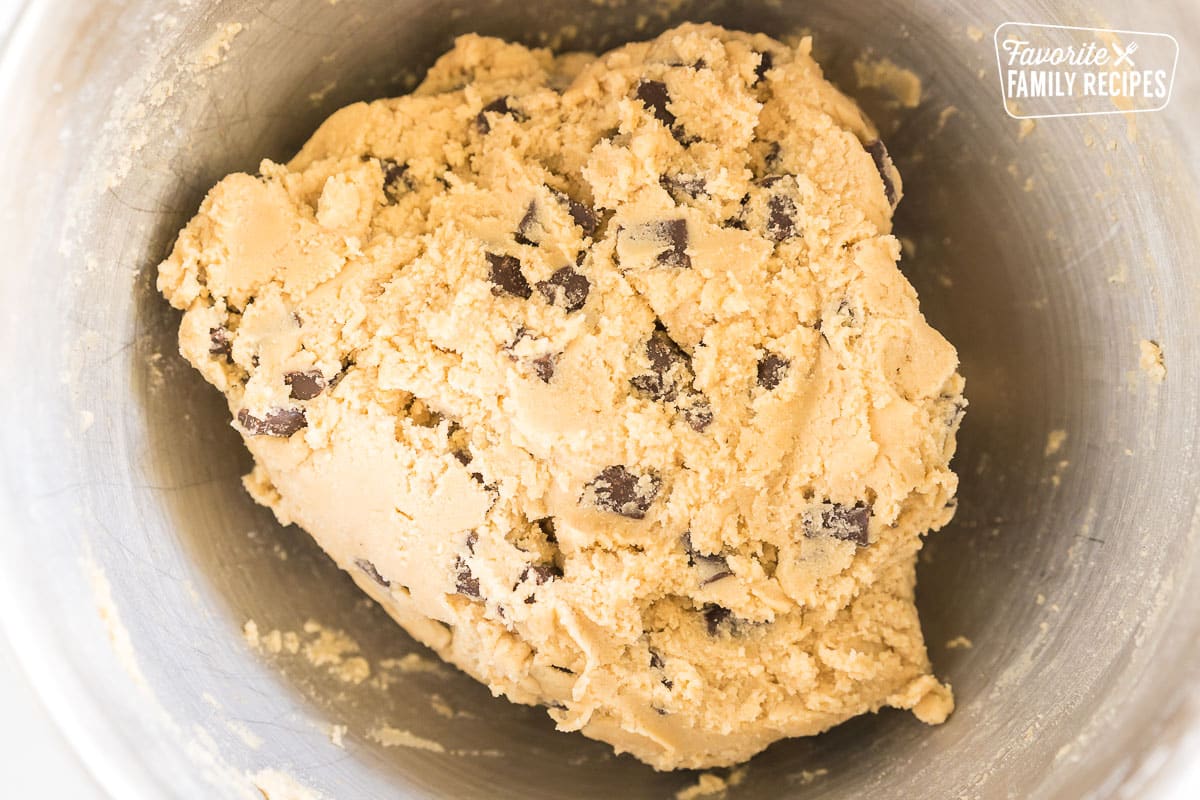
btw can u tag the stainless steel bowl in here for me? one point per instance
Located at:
(1075, 575)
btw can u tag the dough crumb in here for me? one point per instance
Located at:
(1054, 442)
(337, 736)
(975, 33)
(1152, 361)
(388, 736)
(886, 76)
(710, 784)
(959, 643)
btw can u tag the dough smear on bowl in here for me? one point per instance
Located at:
(598, 373)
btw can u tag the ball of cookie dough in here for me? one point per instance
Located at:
(598, 374)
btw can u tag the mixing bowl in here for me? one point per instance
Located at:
(1060, 603)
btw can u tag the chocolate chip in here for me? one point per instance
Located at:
(222, 344)
(562, 669)
(546, 525)
(395, 179)
(583, 216)
(372, 573)
(656, 662)
(505, 273)
(543, 366)
(471, 540)
(525, 226)
(675, 233)
(766, 61)
(280, 422)
(711, 568)
(566, 288)
(696, 411)
(885, 167)
(683, 186)
(669, 366)
(849, 523)
(465, 582)
(655, 97)
(773, 157)
(539, 574)
(462, 456)
(781, 218)
(715, 616)
(305, 385)
(498, 106)
(673, 236)
(771, 369)
(735, 222)
(670, 379)
(623, 492)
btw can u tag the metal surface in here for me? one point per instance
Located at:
(1074, 575)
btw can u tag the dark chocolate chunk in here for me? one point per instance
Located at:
(670, 380)
(781, 218)
(543, 367)
(281, 422)
(711, 568)
(465, 583)
(222, 344)
(372, 573)
(546, 525)
(395, 179)
(583, 216)
(623, 492)
(656, 661)
(565, 288)
(655, 97)
(771, 369)
(735, 222)
(885, 167)
(498, 106)
(505, 273)
(682, 187)
(305, 385)
(773, 159)
(562, 669)
(849, 523)
(675, 233)
(696, 410)
(540, 573)
(766, 61)
(715, 616)
(669, 366)
(525, 226)
(462, 456)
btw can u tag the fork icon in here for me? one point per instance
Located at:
(1124, 55)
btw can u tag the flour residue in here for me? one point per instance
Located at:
(276, 785)
(327, 648)
(118, 634)
(214, 50)
(1151, 360)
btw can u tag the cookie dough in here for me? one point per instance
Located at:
(598, 373)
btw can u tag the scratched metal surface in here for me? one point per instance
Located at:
(112, 135)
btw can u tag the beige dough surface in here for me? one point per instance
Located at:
(599, 374)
